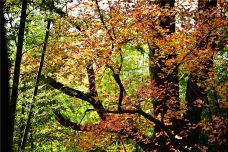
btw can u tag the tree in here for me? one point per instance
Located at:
(167, 83)
(194, 113)
(141, 27)
(28, 124)
(5, 97)
(122, 61)
(14, 95)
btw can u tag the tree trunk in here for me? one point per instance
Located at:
(17, 67)
(6, 140)
(28, 124)
(195, 92)
(165, 83)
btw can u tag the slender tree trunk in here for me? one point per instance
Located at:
(6, 139)
(31, 140)
(14, 95)
(22, 126)
(28, 124)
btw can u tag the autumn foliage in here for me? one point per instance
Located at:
(96, 39)
(176, 97)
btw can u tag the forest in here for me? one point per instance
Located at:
(114, 75)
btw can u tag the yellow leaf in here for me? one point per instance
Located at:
(96, 98)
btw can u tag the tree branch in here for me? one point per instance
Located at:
(174, 141)
(131, 134)
(67, 123)
(76, 93)
(118, 81)
(120, 84)
(102, 20)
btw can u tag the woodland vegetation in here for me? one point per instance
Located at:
(118, 75)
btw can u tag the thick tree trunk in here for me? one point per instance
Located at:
(6, 139)
(194, 112)
(165, 83)
(195, 92)
(163, 80)
(169, 99)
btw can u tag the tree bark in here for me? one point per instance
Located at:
(168, 84)
(195, 92)
(6, 139)
(17, 67)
